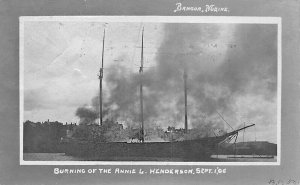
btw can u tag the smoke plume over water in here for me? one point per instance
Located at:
(224, 63)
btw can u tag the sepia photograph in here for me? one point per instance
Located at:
(150, 90)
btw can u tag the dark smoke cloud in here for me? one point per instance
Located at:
(86, 115)
(249, 68)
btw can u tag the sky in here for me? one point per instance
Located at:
(232, 70)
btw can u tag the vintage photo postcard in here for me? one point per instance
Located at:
(130, 90)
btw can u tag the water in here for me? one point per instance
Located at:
(49, 157)
(215, 158)
(243, 158)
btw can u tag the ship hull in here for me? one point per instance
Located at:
(190, 150)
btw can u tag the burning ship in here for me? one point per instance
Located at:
(184, 150)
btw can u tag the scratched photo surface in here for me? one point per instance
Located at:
(147, 91)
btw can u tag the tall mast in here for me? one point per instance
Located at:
(141, 87)
(100, 78)
(185, 99)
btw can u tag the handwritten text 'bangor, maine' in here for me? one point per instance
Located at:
(203, 9)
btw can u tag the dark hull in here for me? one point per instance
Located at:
(190, 150)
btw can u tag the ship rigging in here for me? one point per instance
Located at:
(187, 150)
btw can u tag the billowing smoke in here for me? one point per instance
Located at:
(222, 62)
(87, 115)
